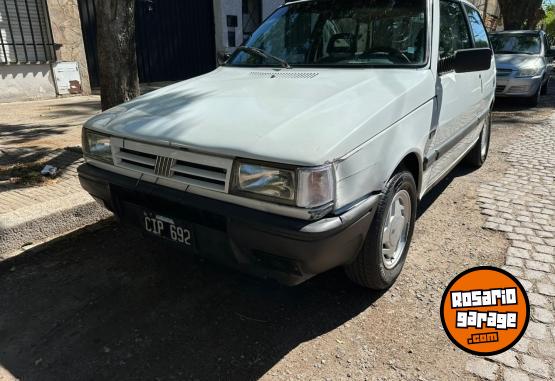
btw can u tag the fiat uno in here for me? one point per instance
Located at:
(311, 147)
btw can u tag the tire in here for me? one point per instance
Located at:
(534, 100)
(479, 154)
(371, 268)
(545, 87)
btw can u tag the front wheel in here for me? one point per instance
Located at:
(534, 100)
(545, 87)
(384, 252)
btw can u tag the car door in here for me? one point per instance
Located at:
(458, 94)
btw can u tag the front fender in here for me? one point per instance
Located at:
(367, 169)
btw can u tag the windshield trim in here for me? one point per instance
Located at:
(426, 63)
(328, 66)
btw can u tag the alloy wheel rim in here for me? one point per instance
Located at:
(396, 229)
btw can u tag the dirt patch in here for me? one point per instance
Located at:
(49, 124)
(25, 175)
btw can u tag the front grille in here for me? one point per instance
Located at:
(500, 89)
(140, 161)
(185, 167)
(518, 89)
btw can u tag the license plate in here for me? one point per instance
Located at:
(169, 229)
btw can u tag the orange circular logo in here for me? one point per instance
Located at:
(485, 311)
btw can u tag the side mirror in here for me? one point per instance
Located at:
(223, 57)
(470, 60)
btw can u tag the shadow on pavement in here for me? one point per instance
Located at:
(11, 134)
(108, 304)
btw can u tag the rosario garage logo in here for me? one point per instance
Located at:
(485, 311)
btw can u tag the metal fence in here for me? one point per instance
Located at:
(25, 34)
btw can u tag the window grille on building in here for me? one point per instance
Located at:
(25, 34)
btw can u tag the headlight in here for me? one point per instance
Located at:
(302, 187)
(97, 146)
(529, 72)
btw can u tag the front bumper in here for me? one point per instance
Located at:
(517, 87)
(266, 245)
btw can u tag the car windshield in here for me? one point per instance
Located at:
(376, 33)
(516, 43)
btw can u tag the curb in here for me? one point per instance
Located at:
(30, 225)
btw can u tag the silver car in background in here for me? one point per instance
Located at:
(523, 61)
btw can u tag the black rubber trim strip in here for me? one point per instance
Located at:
(448, 145)
(103, 184)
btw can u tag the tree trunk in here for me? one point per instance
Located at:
(117, 59)
(520, 14)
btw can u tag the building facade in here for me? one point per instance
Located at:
(48, 47)
(491, 13)
(169, 33)
(35, 36)
(235, 20)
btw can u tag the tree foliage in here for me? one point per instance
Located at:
(117, 58)
(521, 14)
(550, 20)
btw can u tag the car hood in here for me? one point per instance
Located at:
(303, 117)
(517, 61)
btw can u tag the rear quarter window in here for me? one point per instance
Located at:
(477, 27)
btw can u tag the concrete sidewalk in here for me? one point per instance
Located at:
(32, 135)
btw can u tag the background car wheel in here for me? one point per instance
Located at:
(383, 255)
(534, 100)
(479, 154)
(545, 87)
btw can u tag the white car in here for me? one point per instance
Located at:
(312, 146)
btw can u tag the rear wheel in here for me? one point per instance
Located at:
(479, 154)
(384, 252)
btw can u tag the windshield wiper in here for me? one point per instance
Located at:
(263, 54)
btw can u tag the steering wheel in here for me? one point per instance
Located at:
(397, 55)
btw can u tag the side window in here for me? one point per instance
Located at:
(478, 29)
(453, 29)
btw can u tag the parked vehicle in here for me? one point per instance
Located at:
(311, 147)
(523, 60)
